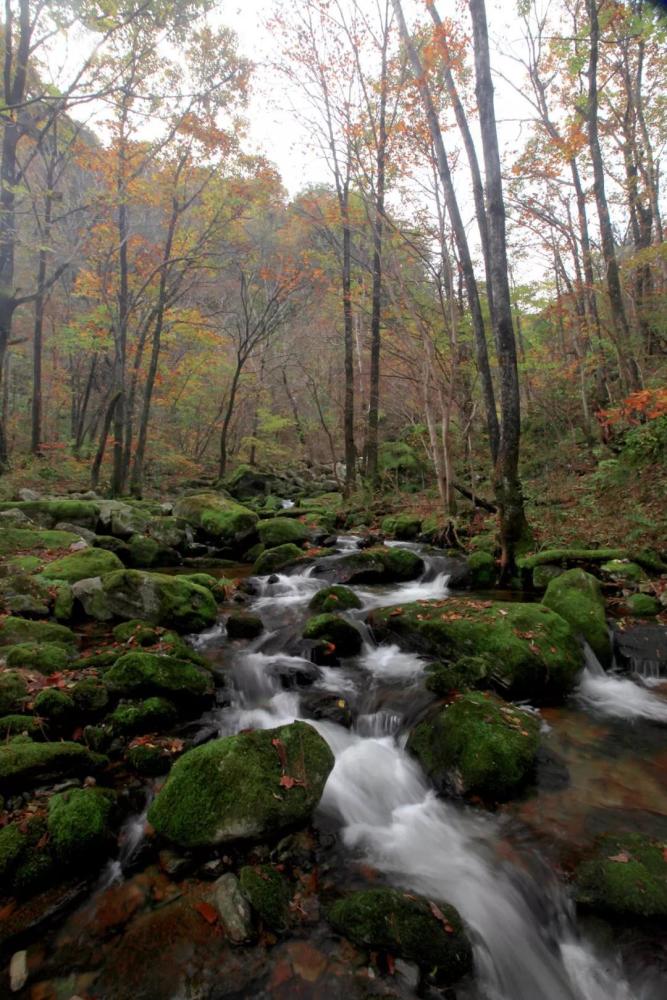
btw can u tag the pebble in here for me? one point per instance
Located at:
(18, 971)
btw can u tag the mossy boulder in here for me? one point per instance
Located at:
(378, 565)
(533, 650)
(24, 765)
(145, 674)
(337, 632)
(543, 575)
(626, 878)
(148, 760)
(154, 715)
(144, 551)
(82, 565)
(154, 597)
(623, 571)
(46, 658)
(643, 605)
(334, 598)
(19, 630)
(408, 926)
(464, 673)
(79, 825)
(167, 532)
(26, 865)
(477, 745)
(63, 604)
(272, 560)
(241, 625)
(156, 639)
(281, 530)
(482, 568)
(224, 521)
(576, 597)
(16, 725)
(90, 696)
(202, 580)
(254, 784)
(13, 691)
(268, 893)
(31, 539)
(55, 706)
(22, 594)
(49, 512)
(122, 520)
(404, 527)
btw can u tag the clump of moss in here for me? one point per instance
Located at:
(335, 598)
(254, 784)
(223, 520)
(241, 625)
(13, 691)
(576, 597)
(82, 565)
(268, 893)
(144, 551)
(154, 715)
(626, 877)
(337, 632)
(149, 761)
(281, 531)
(408, 926)
(404, 527)
(643, 605)
(623, 571)
(15, 631)
(14, 725)
(482, 568)
(79, 825)
(271, 560)
(56, 706)
(203, 580)
(478, 745)
(90, 696)
(145, 674)
(466, 672)
(46, 657)
(26, 764)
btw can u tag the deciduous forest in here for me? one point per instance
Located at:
(333, 463)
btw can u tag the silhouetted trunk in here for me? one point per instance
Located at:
(83, 409)
(348, 337)
(101, 448)
(40, 301)
(224, 434)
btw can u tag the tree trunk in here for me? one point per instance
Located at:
(101, 448)
(348, 410)
(224, 434)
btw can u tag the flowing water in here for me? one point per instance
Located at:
(526, 942)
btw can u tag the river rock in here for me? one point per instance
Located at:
(268, 893)
(225, 522)
(26, 764)
(576, 597)
(338, 633)
(233, 908)
(534, 651)
(241, 625)
(82, 565)
(642, 649)
(406, 925)
(375, 565)
(79, 825)
(148, 675)
(334, 598)
(155, 597)
(272, 560)
(254, 784)
(281, 530)
(477, 745)
(626, 877)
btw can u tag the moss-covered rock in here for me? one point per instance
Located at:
(25, 863)
(154, 715)
(90, 696)
(46, 658)
(404, 527)
(576, 597)
(22, 594)
(482, 568)
(167, 532)
(82, 565)
(408, 926)
(272, 560)
(533, 650)
(477, 745)
(334, 598)
(543, 575)
(24, 765)
(576, 557)
(156, 639)
(144, 551)
(378, 565)
(19, 630)
(224, 521)
(13, 692)
(337, 632)
(643, 605)
(55, 706)
(268, 893)
(281, 530)
(63, 604)
(49, 512)
(30, 539)
(148, 760)
(79, 825)
(250, 785)
(626, 877)
(464, 673)
(202, 580)
(623, 571)
(155, 597)
(145, 674)
(122, 520)
(15, 725)
(241, 625)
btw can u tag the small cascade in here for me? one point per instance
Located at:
(615, 696)
(130, 840)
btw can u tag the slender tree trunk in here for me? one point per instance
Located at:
(101, 448)
(83, 409)
(348, 409)
(298, 426)
(224, 434)
(509, 494)
(40, 301)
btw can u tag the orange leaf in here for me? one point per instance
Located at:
(209, 913)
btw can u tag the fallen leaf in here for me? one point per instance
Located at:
(208, 912)
(622, 858)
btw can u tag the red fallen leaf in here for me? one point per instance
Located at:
(622, 858)
(42, 842)
(391, 964)
(440, 916)
(281, 751)
(287, 781)
(78, 733)
(209, 913)
(396, 612)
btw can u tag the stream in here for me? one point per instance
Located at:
(501, 870)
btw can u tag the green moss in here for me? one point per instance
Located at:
(144, 551)
(576, 597)
(23, 564)
(253, 553)
(90, 696)
(231, 788)
(404, 527)
(567, 557)
(241, 625)
(12, 845)
(379, 565)
(478, 745)
(533, 650)
(24, 765)
(466, 672)
(227, 522)
(202, 580)
(18, 630)
(334, 630)
(482, 568)
(28, 539)
(137, 674)
(98, 738)
(643, 605)
(63, 605)
(46, 657)
(50, 512)
(154, 715)
(335, 598)
(21, 594)
(543, 575)
(486, 541)
(272, 560)
(78, 825)
(623, 571)
(141, 633)
(281, 530)
(13, 725)
(268, 893)
(82, 565)
(13, 691)
(25, 863)
(627, 877)
(149, 761)
(55, 705)
(408, 926)
(155, 597)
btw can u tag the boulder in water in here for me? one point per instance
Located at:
(271, 560)
(154, 597)
(406, 925)
(376, 565)
(281, 530)
(225, 522)
(336, 632)
(626, 877)
(251, 785)
(241, 625)
(334, 598)
(576, 597)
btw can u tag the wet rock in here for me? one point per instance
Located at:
(643, 649)
(233, 908)
(241, 625)
(156, 597)
(280, 531)
(478, 745)
(25, 765)
(334, 598)
(338, 634)
(329, 707)
(175, 865)
(375, 565)
(626, 877)
(272, 560)
(218, 518)
(576, 597)
(294, 672)
(18, 971)
(145, 674)
(268, 893)
(408, 926)
(250, 785)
